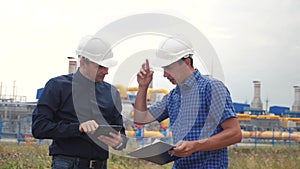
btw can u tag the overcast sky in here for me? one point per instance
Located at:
(254, 40)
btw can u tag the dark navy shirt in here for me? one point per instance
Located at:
(68, 100)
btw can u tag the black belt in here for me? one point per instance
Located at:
(83, 161)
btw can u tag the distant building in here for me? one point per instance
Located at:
(278, 110)
(241, 107)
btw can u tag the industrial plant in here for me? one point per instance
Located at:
(278, 124)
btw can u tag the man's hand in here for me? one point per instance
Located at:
(184, 148)
(145, 75)
(114, 140)
(88, 126)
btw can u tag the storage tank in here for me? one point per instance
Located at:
(256, 103)
(296, 104)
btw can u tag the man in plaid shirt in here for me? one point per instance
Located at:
(200, 109)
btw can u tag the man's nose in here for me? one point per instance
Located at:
(165, 74)
(106, 71)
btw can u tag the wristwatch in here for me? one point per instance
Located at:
(119, 146)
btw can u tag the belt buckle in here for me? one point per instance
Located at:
(92, 163)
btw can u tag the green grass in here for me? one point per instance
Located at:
(14, 156)
(266, 157)
(33, 156)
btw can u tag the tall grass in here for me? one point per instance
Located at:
(33, 156)
(266, 157)
(14, 156)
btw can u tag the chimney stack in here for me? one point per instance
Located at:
(256, 103)
(72, 65)
(296, 104)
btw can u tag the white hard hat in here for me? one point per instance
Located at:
(96, 50)
(171, 50)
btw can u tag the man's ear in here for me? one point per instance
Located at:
(187, 61)
(81, 62)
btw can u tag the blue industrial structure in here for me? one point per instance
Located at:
(241, 107)
(39, 93)
(291, 114)
(279, 110)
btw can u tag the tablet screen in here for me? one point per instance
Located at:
(106, 129)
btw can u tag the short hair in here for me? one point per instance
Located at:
(86, 60)
(190, 57)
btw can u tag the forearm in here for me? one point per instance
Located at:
(141, 114)
(141, 99)
(225, 138)
(219, 141)
(44, 126)
(230, 135)
(49, 130)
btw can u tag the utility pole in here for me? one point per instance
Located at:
(1, 90)
(14, 91)
(267, 105)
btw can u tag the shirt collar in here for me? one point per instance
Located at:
(78, 77)
(191, 80)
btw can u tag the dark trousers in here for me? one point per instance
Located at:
(67, 162)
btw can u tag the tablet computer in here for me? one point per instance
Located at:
(106, 129)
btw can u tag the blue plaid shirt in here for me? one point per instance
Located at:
(196, 111)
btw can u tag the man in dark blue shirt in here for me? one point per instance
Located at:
(72, 107)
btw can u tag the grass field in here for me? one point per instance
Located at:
(33, 156)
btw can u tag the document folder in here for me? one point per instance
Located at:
(156, 152)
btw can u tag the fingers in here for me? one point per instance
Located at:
(177, 149)
(182, 149)
(146, 65)
(179, 143)
(145, 69)
(179, 154)
(142, 73)
(112, 141)
(88, 126)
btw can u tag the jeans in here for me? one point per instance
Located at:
(62, 163)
